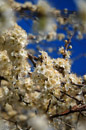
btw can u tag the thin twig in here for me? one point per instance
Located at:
(61, 100)
(76, 84)
(79, 102)
(69, 125)
(79, 85)
(34, 59)
(67, 42)
(48, 106)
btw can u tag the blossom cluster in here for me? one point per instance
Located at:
(51, 89)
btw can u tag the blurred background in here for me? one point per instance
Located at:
(78, 46)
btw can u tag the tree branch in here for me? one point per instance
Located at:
(34, 59)
(69, 111)
(78, 101)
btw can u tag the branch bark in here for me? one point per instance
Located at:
(74, 109)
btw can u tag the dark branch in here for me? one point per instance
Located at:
(78, 102)
(79, 85)
(69, 111)
(2, 78)
(34, 59)
(61, 100)
(48, 106)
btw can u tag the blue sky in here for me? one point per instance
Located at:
(79, 46)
